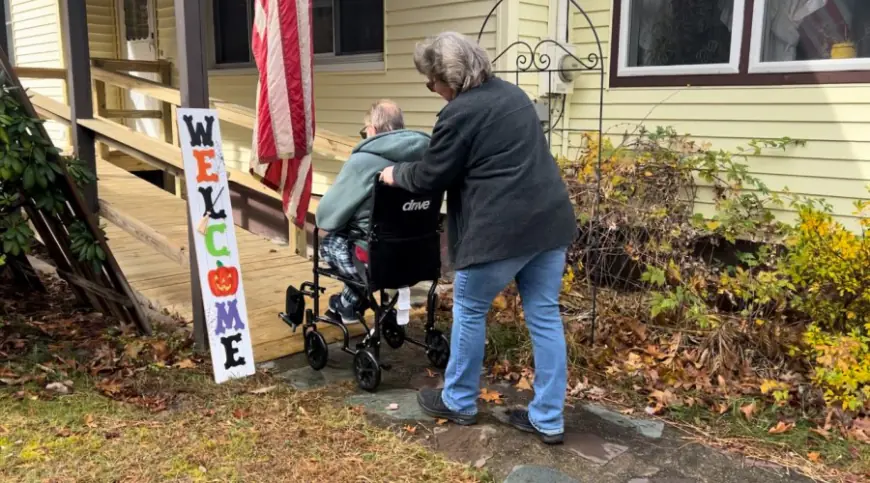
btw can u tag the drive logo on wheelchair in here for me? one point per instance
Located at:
(416, 205)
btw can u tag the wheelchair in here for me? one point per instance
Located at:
(404, 249)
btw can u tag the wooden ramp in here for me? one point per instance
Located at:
(131, 205)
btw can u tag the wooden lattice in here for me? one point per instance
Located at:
(105, 290)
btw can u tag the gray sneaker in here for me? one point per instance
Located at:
(348, 314)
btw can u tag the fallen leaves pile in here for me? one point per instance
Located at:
(51, 342)
(679, 375)
(83, 399)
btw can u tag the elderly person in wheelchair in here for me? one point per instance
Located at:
(345, 210)
(378, 238)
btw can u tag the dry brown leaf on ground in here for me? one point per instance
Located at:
(653, 410)
(185, 364)
(263, 390)
(133, 349)
(109, 387)
(491, 396)
(860, 430)
(161, 350)
(410, 429)
(664, 398)
(814, 456)
(822, 432)
(781, 427)
(748, 410)
(440, 422)
(523, 385)
(500, 303)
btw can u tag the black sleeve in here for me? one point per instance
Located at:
(442, 164)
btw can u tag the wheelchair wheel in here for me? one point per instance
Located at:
(316, 350)
(392, 332)
(437, 348)
(366, 370)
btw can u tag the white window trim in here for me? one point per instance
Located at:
(732, 67)
(757, 66)
(322, 62)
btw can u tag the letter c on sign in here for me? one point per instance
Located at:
(209, 240)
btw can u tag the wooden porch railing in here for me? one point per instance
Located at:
(116, 73)
(165, 155)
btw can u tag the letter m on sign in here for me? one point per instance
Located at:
(228, 317)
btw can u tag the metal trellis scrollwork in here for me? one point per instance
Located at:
(556, 59)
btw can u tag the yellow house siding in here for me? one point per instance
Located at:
(103, 39)
(342, 98)
(534, 21)
(834, 165)
(167, 41)
(35, 28)
(102, 29)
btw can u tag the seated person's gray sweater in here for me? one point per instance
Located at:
(346, 207)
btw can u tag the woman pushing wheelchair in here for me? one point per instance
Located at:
(509, 218)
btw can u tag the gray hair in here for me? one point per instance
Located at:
(454, 59)
(384, 116)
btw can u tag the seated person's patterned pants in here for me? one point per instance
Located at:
(336, 251)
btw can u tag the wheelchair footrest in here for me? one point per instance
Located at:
(289, 321)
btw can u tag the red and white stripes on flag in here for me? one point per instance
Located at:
(284, 130)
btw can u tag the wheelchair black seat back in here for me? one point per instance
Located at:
(405, 240)
(403, 249)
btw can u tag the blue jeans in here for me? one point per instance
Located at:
(539, 279)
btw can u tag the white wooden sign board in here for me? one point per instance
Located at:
(217, 254)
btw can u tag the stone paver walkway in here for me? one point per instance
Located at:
(601, 446)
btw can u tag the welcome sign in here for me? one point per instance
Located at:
(217, 254)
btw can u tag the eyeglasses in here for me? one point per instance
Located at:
(431, 86)
(362, 133)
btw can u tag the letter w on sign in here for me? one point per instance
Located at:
(284, 129)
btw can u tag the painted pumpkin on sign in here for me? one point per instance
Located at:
(223, 281)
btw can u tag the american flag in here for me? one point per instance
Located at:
(284, 130)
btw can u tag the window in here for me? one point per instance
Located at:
(681, 36)
(343, 31)
(740, 42)
(233, 20)
(810, 35)
(136, 22)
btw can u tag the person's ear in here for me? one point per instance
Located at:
(370, 131)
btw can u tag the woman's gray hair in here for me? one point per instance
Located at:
(454, 59)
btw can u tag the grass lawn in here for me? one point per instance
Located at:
(82, 400)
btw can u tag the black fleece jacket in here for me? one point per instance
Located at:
(505, 195)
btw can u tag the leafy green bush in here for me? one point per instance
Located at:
(32, 175)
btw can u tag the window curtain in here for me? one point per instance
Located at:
(782, 25)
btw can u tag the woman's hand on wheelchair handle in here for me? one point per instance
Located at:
(387, 176)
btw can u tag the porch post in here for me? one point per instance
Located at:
(78, 80)
(193, 84)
